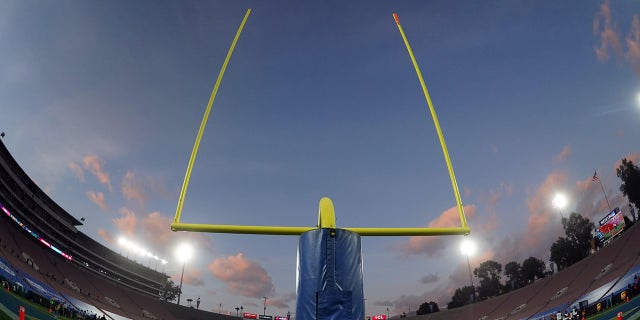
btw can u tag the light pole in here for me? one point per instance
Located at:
(468, 248)
(560, 202)
(264, 311)
(184, 253)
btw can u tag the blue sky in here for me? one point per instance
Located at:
(101, 102)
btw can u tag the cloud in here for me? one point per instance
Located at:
(157, 227)
(467, 192)
(282, 302)
(243, 277)
(590, 199)
(127, 223)
(633, 157)
(610, 39)
(490, 221)
(541, 213)
(98, 199)
(93, 164)
(633, 45)
(406, 303)
(431, 246)
(132, 188)
(193, 277)
(563, 155)
(429, 278)
(106, 235)
(153, 231)
(605, 29)
(77, 170)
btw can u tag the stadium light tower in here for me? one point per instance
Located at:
(560, 202)
(184, 252)
(468, 248)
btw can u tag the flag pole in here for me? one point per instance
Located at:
(595, 178)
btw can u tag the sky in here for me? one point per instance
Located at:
(101, 102)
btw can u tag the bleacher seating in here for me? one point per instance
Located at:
(594, 278)
(97, 280)
(123, 289)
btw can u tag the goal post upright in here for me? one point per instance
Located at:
(329, 275)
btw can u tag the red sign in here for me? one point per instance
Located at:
(379, 317)
(248, 315)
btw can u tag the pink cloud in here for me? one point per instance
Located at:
(159, 187)
(154, 230)
(563, 155)
(604, 27)
(77, 170)
(633, 157)
(633, 45)
(193, 277)
(106, 235)
(467, 192)
(433, 245)
(127, 223)
(157, 227)
(282, 302)
(590, 200)
(132, 188)
(490, 220)
(93, 164)
(242, 276)
(98, 199)
(541, 213)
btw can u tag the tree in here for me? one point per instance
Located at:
(513, 272)
(427, 307)
(462, 296)
(576, 244)
(169, 291)
(532, 269)
(560, 253)
(489, 274)
(630, 176)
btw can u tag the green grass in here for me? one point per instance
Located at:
(4, 316)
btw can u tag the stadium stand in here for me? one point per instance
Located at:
(599, 278)
(42, 251)
(44, 256)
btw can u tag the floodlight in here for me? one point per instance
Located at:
(559, 201)
(468, 247)
(184, 252)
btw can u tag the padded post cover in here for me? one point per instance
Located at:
(329, 276)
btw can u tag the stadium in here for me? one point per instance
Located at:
(45, 258)
(52, 266)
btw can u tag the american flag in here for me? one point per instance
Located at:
(595, 176)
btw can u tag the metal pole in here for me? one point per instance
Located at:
(181, 277)
(605, 195)
(264, 311)
(471, 279)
